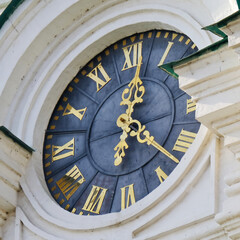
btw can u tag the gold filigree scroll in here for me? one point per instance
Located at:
(130, 96)
(136, 129)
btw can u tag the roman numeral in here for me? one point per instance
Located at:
(71, 110)
(132, 53)
(95, 199)
(125, 200)
(161, 174)
(164, 56)
(60, 152)
(94, 76)
(70, 182)
(185, 139)
(191, 106)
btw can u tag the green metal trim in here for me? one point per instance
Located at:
(238, 3)
(16, 139)
(214, 29)
(12, 6)
(169, 67)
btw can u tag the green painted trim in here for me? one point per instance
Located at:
(169, 67)
(214, 29)
(16, 139)
(12, 6)
(238, 3)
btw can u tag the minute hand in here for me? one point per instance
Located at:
(148, 139)
(134, 92)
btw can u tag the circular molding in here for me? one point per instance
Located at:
(46, 56)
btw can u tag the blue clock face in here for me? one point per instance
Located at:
(94, 158)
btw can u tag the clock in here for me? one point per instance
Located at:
(120, 127)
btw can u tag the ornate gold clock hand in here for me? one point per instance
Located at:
(122, 145)
(136, 84)
(140, 130)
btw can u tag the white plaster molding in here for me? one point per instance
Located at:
(13, 160)
(221, 9)
(232, 30)
(213, 81)
(229, 217)
(216, 91)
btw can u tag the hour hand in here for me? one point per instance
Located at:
(120, 149)
(122, 145)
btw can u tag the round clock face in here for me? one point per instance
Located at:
(121, 126)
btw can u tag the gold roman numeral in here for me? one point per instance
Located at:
(71, 110)
(70, 182)
(94, 76)
(164, 56)
(132, 53)
(185, 139)
(125, 200)
(161, 174)
(57, 150)
(191, 106)
(95, 199)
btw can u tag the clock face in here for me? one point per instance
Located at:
(121, 126)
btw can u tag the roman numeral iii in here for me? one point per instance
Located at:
(191, 106)
(127, 198)
(100, 83)
(58, 152)
(70, 182)
(95, 199)
(132, 53)
(185, 139)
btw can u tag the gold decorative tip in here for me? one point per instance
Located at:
(118, 161)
